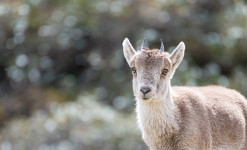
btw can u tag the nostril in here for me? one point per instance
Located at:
(145, 90)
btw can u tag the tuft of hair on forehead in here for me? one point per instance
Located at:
(151, 58)
(154, 53)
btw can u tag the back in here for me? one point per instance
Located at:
(215, 113)
(217, 96)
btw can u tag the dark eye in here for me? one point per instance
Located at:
(133, 69)
(165, 71)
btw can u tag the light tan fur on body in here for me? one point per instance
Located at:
(183, 118)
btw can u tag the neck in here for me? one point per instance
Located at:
(158, 115)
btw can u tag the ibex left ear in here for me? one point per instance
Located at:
(177, 55)
(128, 50)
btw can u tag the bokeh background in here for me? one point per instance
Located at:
(65, 85)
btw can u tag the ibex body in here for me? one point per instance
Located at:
(183, 118)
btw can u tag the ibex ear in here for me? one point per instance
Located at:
(177, 55)
(128, 50)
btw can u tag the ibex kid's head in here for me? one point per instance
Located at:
(152, 69)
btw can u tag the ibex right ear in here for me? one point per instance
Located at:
(177, 55)
(128, 50)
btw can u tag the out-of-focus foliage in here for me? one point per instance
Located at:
(51, 51)
(83, 124)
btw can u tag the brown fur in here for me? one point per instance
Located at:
(183, 118)
(211, 117)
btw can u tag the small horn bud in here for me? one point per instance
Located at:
(162, 46)
(143, 44)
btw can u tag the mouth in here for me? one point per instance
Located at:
(145, 98)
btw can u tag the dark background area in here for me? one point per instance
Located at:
(64, 83)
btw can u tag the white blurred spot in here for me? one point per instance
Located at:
(213, 69)
(50, 125)
(120, 102)
(95, 60)
(35, 2)
(2, 10)
(64, 145)
(41, 115)
(46, 147)
(70, 21)
(45, 31)
(10, 44)
(228, 42)
(115, 7)
(151, 34)
(21, 60)
(34, 75)
(15, 74)
(235, 32)
(212, 38)
(102, 7)
(125, 2)
(23, 9)
(85, 116)
(20, 25)
(163, 17)
(19, 39)
(6, 145)
(222, 80)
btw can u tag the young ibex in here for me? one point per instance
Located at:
(183, 118)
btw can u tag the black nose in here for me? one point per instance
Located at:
(145, 90)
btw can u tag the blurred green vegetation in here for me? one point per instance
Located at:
(64, 83)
